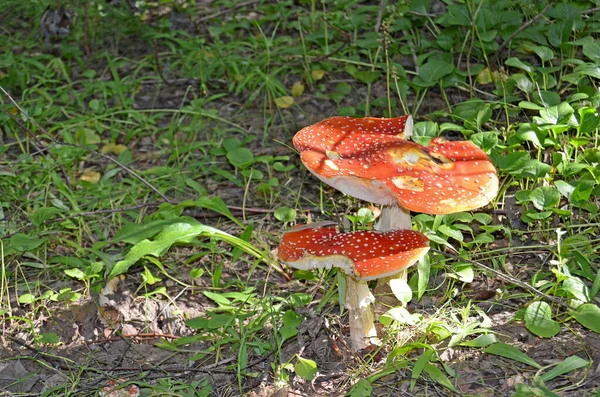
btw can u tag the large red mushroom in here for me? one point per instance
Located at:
(371, 159)
(362, 256)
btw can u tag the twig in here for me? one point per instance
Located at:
(508, 278)
(524, 26)
(115, 161)
(219, 13)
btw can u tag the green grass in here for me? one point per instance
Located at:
(160, 148)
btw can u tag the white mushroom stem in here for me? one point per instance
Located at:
(392, 218)
(358, 302)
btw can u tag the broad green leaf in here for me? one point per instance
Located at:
(577, 288)
(219, 299)
(481, 341)
(26, 299)
(285, 214)
(305, 368)
(517, 63)
(589, 120)
(43, 214)
(567, 365)
(450, 231)
(486, 140)
(511, 352)
(432, 71)
(75, 273)
(240, 157)
(592, 51)
(564, 188)
(588, 315)
(545, 53)
(423, 270)
(217, 205)
(22, 242)
(178, 233)
(401, 289)
(423, 131)
(399, 314)
(135, 232)
(464, 272)
(419, 366)
(544, 197)
(523, 82)
(437, 375)
(538, 320)
(362, 388)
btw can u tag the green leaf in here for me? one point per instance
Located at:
(305, 368)
(589, 120)
(451, 231)
(481, 341)
(240, 157)
(517, 63)
(577, 288)
(544, 197)
(564, 188)
(26, 299)
(22, 242)
(592, 51)
(178, 233)
(419, 366)
(588, 315)
(432, 71)
(437, 375)
(48, 337)
(423, 270)
(217, 205)
(545, 53)
(362, 388)
(511, 352)
(401, 289)
(486, 140)
(43, 214)
(135, 232)
(75, 273)
(464, 272)
(567, 365)
(423, 131)
(538, 320)
(285, 214)
(399, 314)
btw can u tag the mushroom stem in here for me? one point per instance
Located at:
(392, 218)
(358, 302)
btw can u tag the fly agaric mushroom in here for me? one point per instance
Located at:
(362, 256)
(371, 159)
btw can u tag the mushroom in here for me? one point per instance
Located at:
(362, 256)
(370, 159)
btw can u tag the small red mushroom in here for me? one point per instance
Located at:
(362, 256)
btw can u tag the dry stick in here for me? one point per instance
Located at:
(524, 26)
(122, 166)
(508, 278)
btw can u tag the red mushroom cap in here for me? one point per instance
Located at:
(364, 255)
(368, 159)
